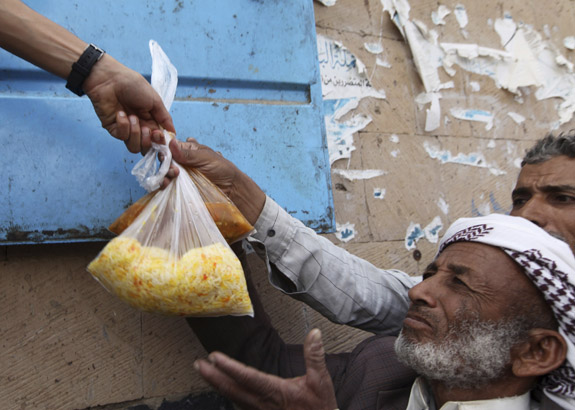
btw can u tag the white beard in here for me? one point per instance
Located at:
(470, 355)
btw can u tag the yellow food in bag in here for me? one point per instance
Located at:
(206, 281)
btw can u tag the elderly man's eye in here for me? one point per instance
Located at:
(458, 281)
(519, 201)
(564, 198)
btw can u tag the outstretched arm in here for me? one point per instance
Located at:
(253, 389)
(341, 286)
(126, 104)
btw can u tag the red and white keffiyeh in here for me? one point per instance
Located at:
(549, 263)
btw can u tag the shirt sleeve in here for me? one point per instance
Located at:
(344, 288)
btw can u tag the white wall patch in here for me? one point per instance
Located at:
(518, 118)
(444, 206)
(438, 16)
(474, 159)
(379, 193)
(345, 232)
(355, 174)
(342, 74)
(373, 48)
(569, 42)
(431, 231)
(461, 15)
(414, 233)
(474, 115)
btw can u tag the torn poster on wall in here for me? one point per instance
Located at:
(327, 3)
(525, 60)
(344, 84)
(345, 232)
(474, 159)
(414, 233)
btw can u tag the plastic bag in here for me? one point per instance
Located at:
(228, 218)
(172, 259)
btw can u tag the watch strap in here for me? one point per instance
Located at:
(81, 68)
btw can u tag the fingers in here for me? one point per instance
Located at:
(314, 352)
(122, 130)
(173, 172)
(248, 377)
(318, 378)
(163, 118)
(128, 130)
(227, 385)
(183, 152)
(146, 140)
(133, 141)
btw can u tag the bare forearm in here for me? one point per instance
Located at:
(36, 39)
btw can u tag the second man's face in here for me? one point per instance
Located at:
(545, 194)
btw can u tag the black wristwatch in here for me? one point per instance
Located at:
(81, 68)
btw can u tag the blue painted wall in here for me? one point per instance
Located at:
(249, 86)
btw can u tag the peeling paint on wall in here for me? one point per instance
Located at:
(486, 207)
(379, 193)
(569, 42)
(518, 118)
(461, 15)
(474, 159)
(431, 232)
(327, 3)
(342, 74)
(344, 84)
(355, 174)
(474, 115)
(443, 205)
(373, 48)
(345, 232)
(526, 60)
(438, 16)
(340, 133)
(382, 63)
(413, 235)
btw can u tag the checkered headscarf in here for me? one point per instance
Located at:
(549, 263)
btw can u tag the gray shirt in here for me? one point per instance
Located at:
(344, 288)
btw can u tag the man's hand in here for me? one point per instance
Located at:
(252, 389)
(236, 185)
(127, 105)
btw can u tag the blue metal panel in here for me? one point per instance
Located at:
(248, 86)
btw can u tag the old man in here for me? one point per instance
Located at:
(491, 326)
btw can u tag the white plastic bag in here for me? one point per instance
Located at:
(172, 259)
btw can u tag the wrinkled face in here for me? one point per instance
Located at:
(545, 194)
(466, 281)
(462, 324)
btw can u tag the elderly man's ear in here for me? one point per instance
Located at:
(544, 351)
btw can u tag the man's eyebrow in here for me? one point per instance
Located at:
(520, 191)
(545, 188)
(458, 269)
(432, 267)
(558, 188)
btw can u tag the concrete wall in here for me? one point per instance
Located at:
(68, 344)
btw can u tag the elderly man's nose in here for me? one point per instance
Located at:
(424, 293)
